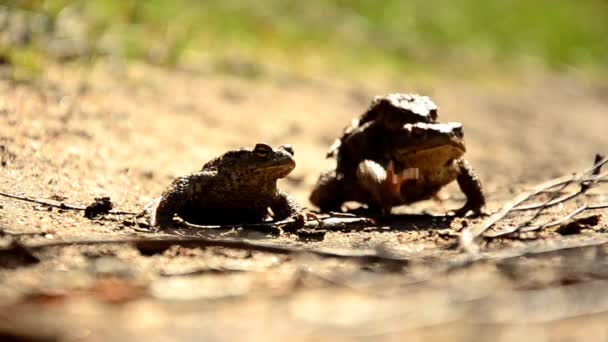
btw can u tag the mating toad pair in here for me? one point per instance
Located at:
(395, 153)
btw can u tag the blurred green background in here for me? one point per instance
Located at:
(338, 35)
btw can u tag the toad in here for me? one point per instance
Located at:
(399, 155)
(235, 188)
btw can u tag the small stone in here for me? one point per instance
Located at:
(102, 205)
(577, 225)
(570, 228)
(311, 234)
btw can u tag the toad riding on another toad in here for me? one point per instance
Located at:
(396, 153)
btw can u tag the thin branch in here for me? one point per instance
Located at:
(537, 251)
(556, 222)
(312, 229)
(59, 205)
(268, 227)
(566, 180)
(508, 208)
(41, 202)
(552, 223)
(321, 222)
(147, 245)
(550, 203)
(547, 203)
(543, 187)
(597, 206)
(586, 184)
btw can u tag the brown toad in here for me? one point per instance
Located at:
(385, 162)
(386, 113)
(236, 187)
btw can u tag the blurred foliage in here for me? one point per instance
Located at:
(341, 33)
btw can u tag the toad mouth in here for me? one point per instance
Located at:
(458, 145)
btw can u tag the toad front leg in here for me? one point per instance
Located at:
(383, 184)
(471, 186)
(284, 206)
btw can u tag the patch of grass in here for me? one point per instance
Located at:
(402, 35)
(26, 63)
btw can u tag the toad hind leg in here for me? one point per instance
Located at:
(329, 192)
(181, 192)
(471, 186)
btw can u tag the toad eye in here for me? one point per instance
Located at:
(262, 150)
(288, 148)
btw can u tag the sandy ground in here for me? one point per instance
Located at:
(127, 132)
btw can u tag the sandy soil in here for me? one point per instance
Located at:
(127, 132)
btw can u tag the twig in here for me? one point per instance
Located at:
(550, 249)
(151, 246)
(597, 206)
(586, 184)
(596, 172)
(549, 203)
(326, 222)
(555, 222)
(554, 196)
(512, 206)
(552, 223)
(268, 227)
(537, 251)
(574, 213)
(37, 201)
(60, 205)
(346, 223)
(507, 208)
(564, 180)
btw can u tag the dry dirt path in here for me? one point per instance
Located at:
(126, 133)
